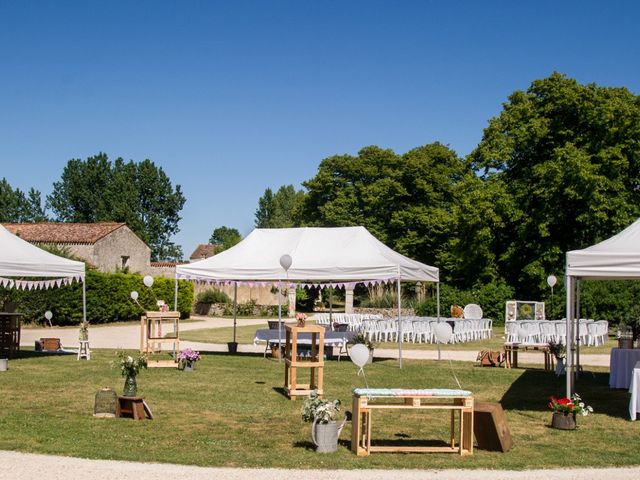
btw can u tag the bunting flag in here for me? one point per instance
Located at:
(38, 284)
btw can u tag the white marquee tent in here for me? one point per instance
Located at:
(327, 255)
(19, 259)
(617, 258)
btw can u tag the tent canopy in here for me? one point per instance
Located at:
(19, 258)
(321, 254)
(617, 257)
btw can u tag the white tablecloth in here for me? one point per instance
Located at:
(634, 403)
(621, 366)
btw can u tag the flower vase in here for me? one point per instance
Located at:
(560, 370)
(301, 322)
(130, 386)
(563, 421)
(189, 366)
(83, 336)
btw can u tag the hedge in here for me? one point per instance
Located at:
(108, 299)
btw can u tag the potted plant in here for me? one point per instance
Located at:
(187, 359)
(559, 351)
(565, 411)
(363, 339)
(301, 318)
(325, 431)
(83, 335)
(129, 368)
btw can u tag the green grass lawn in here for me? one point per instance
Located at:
(245, 334)
(230, 412)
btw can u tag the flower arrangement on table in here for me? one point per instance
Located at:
(570, 406)
(322, 411)
(362, 338)
(187, 358)
(84, 331)
(558, 350)
(301, 319)
(130, 367)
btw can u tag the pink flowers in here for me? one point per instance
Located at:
(189, 355)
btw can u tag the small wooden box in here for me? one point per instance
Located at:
(50, 344)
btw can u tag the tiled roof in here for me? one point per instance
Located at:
(165, 264)
(204, 250)
(72, 233)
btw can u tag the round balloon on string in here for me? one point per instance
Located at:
(286, 261)
(148, 280)
(48, 315)
(552, 280)
(359, 354)
(443, 332)
(134, 295)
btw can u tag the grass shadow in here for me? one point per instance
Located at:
(531, 390)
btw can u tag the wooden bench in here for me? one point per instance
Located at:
(511, 354)
(135, 407)
(366, 400)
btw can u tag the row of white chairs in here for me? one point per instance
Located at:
(590, 333)
(352, 320)
(421, 329)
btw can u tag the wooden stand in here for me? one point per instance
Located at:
(135, 407)
(511, 354)
(83, 350)
(9, 334)
(315, 363)
(490, 427)
(152, 337)
(363, 406)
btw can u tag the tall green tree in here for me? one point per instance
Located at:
(224, 238)
(16, 207)
(140, 194)
(279, 210)
(404, 200)
(568, 155)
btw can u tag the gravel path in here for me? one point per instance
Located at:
(27, 466)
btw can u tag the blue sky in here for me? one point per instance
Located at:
(230, 98)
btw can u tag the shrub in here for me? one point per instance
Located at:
(212, 295)
(108, 299)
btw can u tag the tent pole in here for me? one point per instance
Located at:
(578, 315)
(235, 309)
(175, 295)
(399, 321)
(569, 336)
(438, 315)
(279, 321)
(330, 306)
(84, 299)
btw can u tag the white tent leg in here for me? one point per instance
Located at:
(235, 309)
(84, 299)
(175, 296)
(577, 331)
(279, 320)
(399, 324)
(438, 315)
(569, 335)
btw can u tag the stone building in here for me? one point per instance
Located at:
(108, 246)
(202, 251)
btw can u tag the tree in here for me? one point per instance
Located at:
(16, 207)
(404, 200)
(281, 210)
(568, 155)
(224, 238)
(139, 194)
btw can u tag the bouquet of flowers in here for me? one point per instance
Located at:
(130, 366)
(573, 405)
(301, 318)
(557, 349)
(188, 355)
(323, 411)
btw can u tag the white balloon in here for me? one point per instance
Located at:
(134, 295)
(359, 354)
(148, 280)
(442, 332)
(286, 261)
(48, 315)
(552, 280)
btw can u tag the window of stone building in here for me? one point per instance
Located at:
(125, 261)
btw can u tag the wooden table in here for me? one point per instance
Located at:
(365, 401)
(315, 363)
(511, 354)
(135, 407)
(152, 337)
(9, 334)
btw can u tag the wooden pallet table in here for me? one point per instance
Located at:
(315, 363)
(511, 354)
(366, 401)
(9, 334)
(153, 335)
